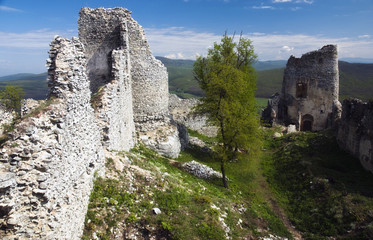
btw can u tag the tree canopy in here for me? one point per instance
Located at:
(11, 98)
(228, 79)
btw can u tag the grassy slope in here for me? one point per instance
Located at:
(300, 179)
(192, 208)
(325, 191)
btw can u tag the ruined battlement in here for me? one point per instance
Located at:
(310, 89)
(106, 91)
(355, 130)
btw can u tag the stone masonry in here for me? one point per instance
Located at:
(181, 111)
(104, 34)
(131, 85)
(355, 131)
(106, 89)
(309, 96)
(48, 166)
(309, 99)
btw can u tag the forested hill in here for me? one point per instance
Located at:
(356, 79)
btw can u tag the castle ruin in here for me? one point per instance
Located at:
(309, 100)
(106, 92)
(309, 96)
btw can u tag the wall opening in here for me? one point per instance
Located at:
(307, 122)
(301, 90)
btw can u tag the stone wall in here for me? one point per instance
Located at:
(130, 84)
(48, 166)
(181, 112)
(149, 82)
(355, 131)
(103, 30)
(6, 118)
(104, 34)
(310, 88)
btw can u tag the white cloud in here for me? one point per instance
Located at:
(33, 39)
(9, 9)
(364, 36)
(287, 48)
(281, 1)
(26, 52)
(177, 42)
(305, 1)
(175, 56)
(263, 7)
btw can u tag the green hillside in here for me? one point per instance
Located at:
(356, 80)
(34, 85)
(269, 82)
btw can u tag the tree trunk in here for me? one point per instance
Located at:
(223, 173)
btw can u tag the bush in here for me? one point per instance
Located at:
(11, 98)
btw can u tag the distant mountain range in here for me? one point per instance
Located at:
(356, 79)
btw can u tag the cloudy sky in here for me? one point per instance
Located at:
(184, 29)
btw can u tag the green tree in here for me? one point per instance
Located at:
(228, 79)
(11, 98)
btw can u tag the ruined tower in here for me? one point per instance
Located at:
(128, 84)
(310, 90)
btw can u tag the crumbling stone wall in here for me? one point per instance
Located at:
(310, 88)
(6, 118)
(103, 30)
(181, 112)
(119, 59)
(48, 166)
(104, 34)
(355, 131)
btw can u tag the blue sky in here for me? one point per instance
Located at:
(185, 29)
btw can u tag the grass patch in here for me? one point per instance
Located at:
(325, 191)
(191, 208)
(208, 140)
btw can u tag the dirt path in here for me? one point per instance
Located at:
(277, 209)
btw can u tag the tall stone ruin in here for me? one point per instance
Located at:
(355, 130)
(107, 91)
(132, 84)
(309, 96)
(48, 165)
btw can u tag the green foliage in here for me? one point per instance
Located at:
(8, 127)
(11, 98)
(325, 191)
(206, 139)
(228, 79)
(34, 85)
(171, 200)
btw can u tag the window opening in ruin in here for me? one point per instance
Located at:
(307, 122)
(301, 90)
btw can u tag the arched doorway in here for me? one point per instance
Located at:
(307, 122)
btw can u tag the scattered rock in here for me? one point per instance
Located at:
(156, 211)
(277, 135)
(291, 129)
(200, 170)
